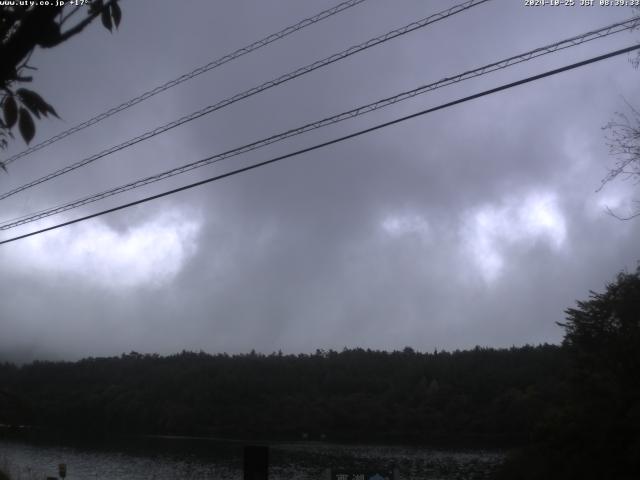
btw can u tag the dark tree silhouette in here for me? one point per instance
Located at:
(22, 29)
(603, 341)
(474, 397)
(595, 432)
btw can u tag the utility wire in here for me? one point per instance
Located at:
(331, 142)
(255, 90)
(188, 76)
(523, 57)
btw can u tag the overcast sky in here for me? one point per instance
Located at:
(475, 225)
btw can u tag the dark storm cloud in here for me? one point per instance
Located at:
(478, 224)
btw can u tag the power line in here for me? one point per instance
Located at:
(255, 90)
(331, 142)
(188, 76)
(510, 61)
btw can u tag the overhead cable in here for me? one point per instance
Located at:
(510, 61)
(188, 76)
(330, 142)
(253, 91)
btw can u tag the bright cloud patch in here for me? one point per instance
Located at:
(617, 198)
(149, 254)
(519, 222)
(397, 226)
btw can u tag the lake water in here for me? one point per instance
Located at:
(164, 458)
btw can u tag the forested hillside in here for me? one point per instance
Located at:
(480, 395)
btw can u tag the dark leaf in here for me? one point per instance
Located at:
(106, 20)
(4, 167)
(26, 125)
(95, 6)
(116, 13)
(35, 103)
(10, 111)
(32, 101)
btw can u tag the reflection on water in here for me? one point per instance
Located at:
(187, 458)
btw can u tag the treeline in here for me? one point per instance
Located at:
(481, 395)
(575, 408)
(594, 433)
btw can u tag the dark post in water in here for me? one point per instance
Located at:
(256, 462)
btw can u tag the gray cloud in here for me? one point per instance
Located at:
(368, 243)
